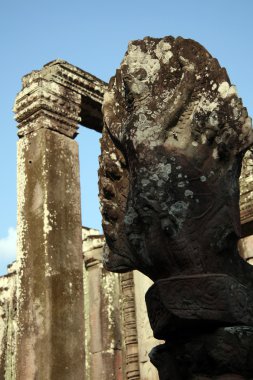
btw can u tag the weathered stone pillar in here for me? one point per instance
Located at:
(8, 323)
(50, 322)
(246, 194)
(146, 340)
(105, 335)
(246, 208)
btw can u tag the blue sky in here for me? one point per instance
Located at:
(94, 35)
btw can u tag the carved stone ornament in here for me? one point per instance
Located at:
(175, 133)
(174, 136)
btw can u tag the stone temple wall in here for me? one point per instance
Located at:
(8, 323)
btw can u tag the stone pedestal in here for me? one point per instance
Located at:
(218, 354)
(206, 321)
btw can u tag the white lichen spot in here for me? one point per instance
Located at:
(108, 286)
(144, 182)
(138, 87)
(203, 139)
(232, 91)
(236, 111)
(195, 143)
(147, 134)
(215, 154)
(214, 86)
(188, 193)
(205, 104)
(203, 178)
(163, 51)
(225, 90)
(113, 156)
(247, 126)
(138, 59)
(47, 226)
(48, 270)
(142, 118)
(154, 177)
(163, 171)
(189, 66)
(179, 211)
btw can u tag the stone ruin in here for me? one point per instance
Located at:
(174, 138)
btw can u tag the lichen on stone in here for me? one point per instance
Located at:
(175, 132)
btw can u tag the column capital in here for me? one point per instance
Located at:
(59, 97)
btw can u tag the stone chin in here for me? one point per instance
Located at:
(174, 136)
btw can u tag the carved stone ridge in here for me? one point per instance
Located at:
(59, 97)
(130, 328)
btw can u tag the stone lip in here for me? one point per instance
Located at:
(224, 353)
(180, 304)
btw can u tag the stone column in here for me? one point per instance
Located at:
(105, 333)
(8, 323)
(146, 340)
(50, 321)
(246, 184)
(246, 208)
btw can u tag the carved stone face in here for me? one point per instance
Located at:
(175, 132)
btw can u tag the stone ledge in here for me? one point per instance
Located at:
(193, 302)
